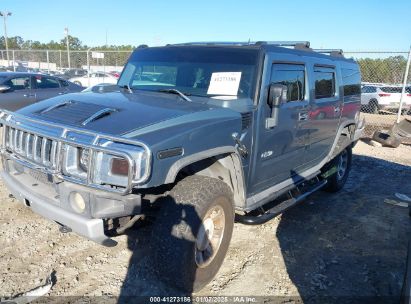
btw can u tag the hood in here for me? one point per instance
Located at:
(114, 113)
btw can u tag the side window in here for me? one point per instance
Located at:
(324, 82)
(64, 83)
(293, 77)
(351, 81)
(365, 89)
(373, 90)
(19, 83)
(46, 83)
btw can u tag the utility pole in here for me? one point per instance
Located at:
(66, 31)
(5, 14)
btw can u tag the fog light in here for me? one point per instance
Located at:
(77, 202)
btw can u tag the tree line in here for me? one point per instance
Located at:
(75, 44)
(382, 70)
(386, 70)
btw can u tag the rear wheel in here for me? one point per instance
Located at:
(192, 233)
(342, 164)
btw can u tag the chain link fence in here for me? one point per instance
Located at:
(382, 76)
(59, 60)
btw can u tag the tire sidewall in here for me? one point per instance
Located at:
(334, 184)
(174, 235)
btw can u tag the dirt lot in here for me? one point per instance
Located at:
(341, 245)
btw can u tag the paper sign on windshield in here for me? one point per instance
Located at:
(224, 83)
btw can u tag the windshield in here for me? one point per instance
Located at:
(199, 71)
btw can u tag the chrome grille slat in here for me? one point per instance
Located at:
(21, 137)
(53, 154)
(15, 134)
(38, 149)
(43, 151)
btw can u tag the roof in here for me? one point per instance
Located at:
(292, 47)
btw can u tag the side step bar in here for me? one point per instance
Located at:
(281, 207)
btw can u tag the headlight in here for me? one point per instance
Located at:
(127, 163)
(115, 170)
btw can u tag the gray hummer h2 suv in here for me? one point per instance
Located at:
(194, 137)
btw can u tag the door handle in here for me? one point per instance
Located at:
(337, 109)
(302, 116)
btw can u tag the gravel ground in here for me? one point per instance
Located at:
(333, 245)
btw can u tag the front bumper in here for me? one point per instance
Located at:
(92, 229)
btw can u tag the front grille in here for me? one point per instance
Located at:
(37, 149)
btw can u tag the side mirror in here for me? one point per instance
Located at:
(277, 94)
(4, 88)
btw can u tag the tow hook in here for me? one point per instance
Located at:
(242, 149)
(64, 229)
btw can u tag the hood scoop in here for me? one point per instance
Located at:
(74, 112)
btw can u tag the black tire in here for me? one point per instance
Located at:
(337, 181)
(373, 106)
(387, 139)
(181, 217)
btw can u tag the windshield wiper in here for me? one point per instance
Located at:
(126, 86)
(175, 91)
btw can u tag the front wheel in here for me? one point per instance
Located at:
(192, 232)
(342, 165)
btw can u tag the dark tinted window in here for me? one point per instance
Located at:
(324, 82)
(391, 89)
(64, 83)
(293, 77)
(368, 89)
(351, 81)
(19, 83)
(46, 83)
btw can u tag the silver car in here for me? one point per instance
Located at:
(18, 90)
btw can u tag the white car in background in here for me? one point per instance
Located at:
(375, 98)
(93, 79)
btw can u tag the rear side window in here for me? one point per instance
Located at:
(351, 81)
(324, 82)
(391, 89)
(64, 83)
(293, 77)
(46, 83)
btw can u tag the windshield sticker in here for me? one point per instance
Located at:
(224, 83)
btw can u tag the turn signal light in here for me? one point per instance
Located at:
(119, 166)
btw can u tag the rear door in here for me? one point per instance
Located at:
(19, 95)
(47, 87)
(325, 113)
(281, 149)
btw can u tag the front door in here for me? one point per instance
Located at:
(281, 149)
(19, 95)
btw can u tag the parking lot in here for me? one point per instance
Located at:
(348, 244)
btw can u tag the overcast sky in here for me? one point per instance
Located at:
(349, 24)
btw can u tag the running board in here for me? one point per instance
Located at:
(281, 207)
